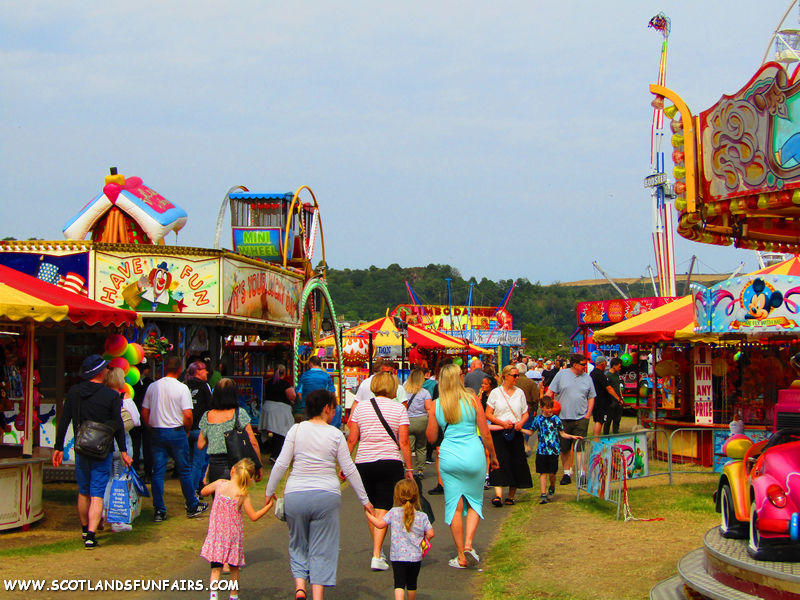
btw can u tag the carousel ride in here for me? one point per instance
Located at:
(737, 182)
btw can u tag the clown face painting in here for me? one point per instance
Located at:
(156, 285)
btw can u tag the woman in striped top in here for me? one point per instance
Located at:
(381, 460)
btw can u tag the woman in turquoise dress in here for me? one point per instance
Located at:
(462, 463)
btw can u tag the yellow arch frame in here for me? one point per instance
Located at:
(297, 205)
(689, 144)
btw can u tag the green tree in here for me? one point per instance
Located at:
(543, 341)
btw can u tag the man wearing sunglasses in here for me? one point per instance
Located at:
(574, 390)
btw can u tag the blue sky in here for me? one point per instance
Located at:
(508, 139)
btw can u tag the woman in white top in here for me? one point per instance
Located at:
(381, 458)
(508, 409)
(313, 494)
(419, 404)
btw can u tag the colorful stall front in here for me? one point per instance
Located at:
(25, 302)
(722, 354)
(188, 299)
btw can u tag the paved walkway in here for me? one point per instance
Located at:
(267, 576)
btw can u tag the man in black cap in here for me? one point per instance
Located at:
(103, 405)
(140, 435)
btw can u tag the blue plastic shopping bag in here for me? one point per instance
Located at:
(119, 501)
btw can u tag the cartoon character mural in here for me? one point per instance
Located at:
(762, 303)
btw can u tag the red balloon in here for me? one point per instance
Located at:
(556, 407)
(121, 363)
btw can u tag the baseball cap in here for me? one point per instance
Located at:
(92, 366)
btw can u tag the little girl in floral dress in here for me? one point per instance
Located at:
(225, 540)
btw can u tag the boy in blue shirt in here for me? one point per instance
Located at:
(549, 428)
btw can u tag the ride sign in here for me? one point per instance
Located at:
(655, 180)
(703, 398)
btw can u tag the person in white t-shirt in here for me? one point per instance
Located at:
(382, 459)
(364, 393)
(167, 411)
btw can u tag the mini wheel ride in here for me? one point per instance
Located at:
(758, 496)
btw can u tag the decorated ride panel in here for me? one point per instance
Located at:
(258, 292)
(767, 304)
(613, 311)
(747, 166)
(155, 283)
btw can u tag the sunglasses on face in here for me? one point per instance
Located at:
(514, 376)
(582, 364)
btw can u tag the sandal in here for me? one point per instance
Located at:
(509, 502)
(472, 556)
(498, 501)
(455, 564)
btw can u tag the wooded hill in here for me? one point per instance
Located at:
(544, 313)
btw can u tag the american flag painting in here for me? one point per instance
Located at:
(48, 272)
(71, 281)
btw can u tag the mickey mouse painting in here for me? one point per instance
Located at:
(758, 301)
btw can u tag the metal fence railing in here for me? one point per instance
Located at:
(691, 450)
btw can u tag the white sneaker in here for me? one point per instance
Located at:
(379, 564)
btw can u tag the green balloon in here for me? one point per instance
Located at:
(458, 361)
(627, 360)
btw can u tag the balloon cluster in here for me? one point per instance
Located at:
(119, 353)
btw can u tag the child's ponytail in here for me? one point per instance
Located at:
(408, 515)
(245, 471)
(406, 494)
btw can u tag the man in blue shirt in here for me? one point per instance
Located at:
(314, 379)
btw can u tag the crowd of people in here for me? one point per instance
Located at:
(473, 425)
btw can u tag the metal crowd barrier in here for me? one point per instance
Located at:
(691, 450)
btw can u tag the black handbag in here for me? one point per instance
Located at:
(238, 445)
(94, 440)
(423, 501)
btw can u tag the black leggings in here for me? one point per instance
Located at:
(405, 575)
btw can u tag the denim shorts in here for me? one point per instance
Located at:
(93, 475)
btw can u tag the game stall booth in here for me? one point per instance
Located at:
(489, 329)
(188, 299)
(720, 355)
(594, 316)
(387, 338)
(36, 317)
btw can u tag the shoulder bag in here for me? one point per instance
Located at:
(238, 445)
(280, 506)
(509, 434)
(423, 501)
(127, 419)
(93, 440)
